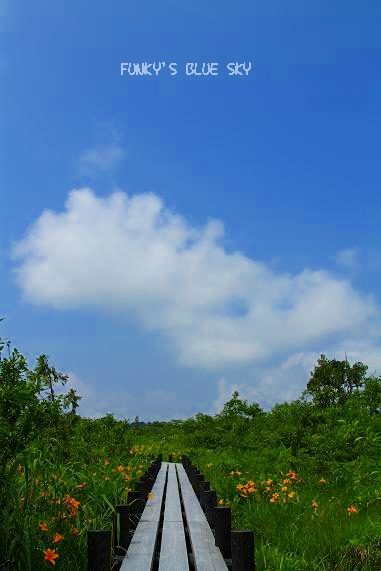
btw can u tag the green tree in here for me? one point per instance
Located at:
(71, 399)
(27, 401)
(371, 395)
(239, 408)
(332, 381)
(235, 420)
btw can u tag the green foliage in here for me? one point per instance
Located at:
(329, 440)
(371, 395)
(333, 434)
(333, 381)
(24, 407)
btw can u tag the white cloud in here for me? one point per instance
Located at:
(365, 350)
(270, 386)
(97, 401)
(276, 383)
(225, 391)
(285, 382)
(101, 158)
(216, 309)
(302, 359)
(347, 259)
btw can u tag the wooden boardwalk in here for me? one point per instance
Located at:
(172, 533)
(173, 527)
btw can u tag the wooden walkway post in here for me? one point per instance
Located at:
(135, 502)
(223, 527)
(172, 530)
(242, 545)
(122, 512)
(99, 550)
(142, 486)
(198, 479)
(210, 503)
(204, 487)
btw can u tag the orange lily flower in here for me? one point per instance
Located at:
(51, 555)
(57, 538)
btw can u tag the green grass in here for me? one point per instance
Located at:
(42, 495)
(291, 534)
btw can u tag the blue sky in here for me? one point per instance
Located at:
(168, 239)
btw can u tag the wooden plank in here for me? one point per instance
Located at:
(154, 503)
(207, 557)
(141, 552)
(173, 551)
(194, 511)
(172, 510)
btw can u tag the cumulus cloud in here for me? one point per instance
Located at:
(130, 253)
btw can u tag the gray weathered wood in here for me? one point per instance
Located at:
(172, 510)
(141, 552)
(173, 551)
(207, 557)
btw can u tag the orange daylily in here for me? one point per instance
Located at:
(51, 555)
(57, 538)
(72, 502)
(43, 526)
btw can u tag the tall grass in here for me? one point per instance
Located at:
(50, 503)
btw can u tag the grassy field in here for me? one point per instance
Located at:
(304, 476)
(51, 503)
(302, 520)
